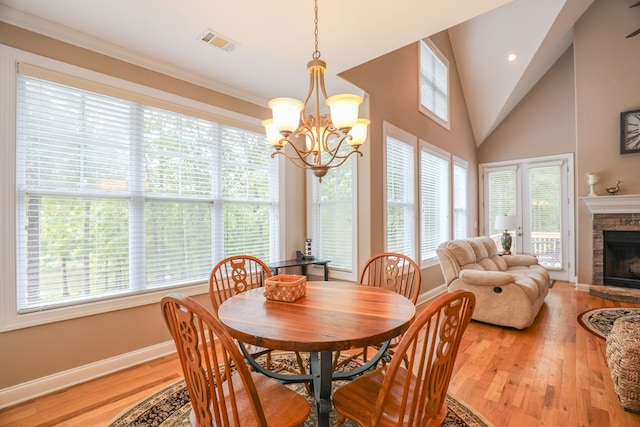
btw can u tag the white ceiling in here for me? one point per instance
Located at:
(275, 40)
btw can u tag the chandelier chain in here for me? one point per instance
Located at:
(316, 52)
(317, 138)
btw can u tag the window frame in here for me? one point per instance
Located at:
(392, 131)
(463, 164)
(432, 150)
(9, 59)
(437, 55)
(313, 228)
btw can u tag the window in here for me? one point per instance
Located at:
(400, 191)
(116, 196)
(459, 198)
(434, 200)
(333, 219)
(434, 83)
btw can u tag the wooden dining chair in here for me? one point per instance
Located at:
(240, 273)
(236, 274)
(222, 389)
(413, 394)
(393, 271)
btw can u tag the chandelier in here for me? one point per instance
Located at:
(329, 139)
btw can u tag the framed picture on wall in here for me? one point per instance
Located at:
(630, 132)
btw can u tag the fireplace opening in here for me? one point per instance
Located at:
(621, 258)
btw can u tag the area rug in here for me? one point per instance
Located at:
(600, 320)
(170, 407)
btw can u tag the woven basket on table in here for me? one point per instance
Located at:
(623, 358)
(285, 287)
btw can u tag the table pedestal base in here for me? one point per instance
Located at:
(320, 377)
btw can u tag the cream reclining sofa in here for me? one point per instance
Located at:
(509, 289)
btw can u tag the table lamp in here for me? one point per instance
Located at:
(506, 223)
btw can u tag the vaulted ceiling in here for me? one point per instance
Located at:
(271, 41)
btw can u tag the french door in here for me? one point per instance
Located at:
(539, 193)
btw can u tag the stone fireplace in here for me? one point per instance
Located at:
(616, 219)
(621, 258)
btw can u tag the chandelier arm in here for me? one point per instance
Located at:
(334, 153)
(302, 155)
(303, 164)
(343, 159)
(295, 160)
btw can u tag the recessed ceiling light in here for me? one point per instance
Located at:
(512, 56)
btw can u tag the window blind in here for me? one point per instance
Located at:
(502, 190)
(400, 190)
(459, 199)
(434, 194)
(546, 212)
(117, 197)
(434, 82)
(332, 217)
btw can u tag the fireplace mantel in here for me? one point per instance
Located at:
(613, 204)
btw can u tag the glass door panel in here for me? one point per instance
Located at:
(545, 215)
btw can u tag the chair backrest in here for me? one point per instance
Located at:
(236, 274)
(394, 271)
(207, 366)
(429, 347)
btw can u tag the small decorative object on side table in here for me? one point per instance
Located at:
(506, 223)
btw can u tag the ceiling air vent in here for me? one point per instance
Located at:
(218, 40)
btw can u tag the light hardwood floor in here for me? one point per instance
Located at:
(551, 374)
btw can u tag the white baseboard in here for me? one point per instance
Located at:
(429, 295)
(22, 392)
(582, 287)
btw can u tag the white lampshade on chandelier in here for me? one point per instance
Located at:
(322, 136)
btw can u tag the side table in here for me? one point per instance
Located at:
(302, 263)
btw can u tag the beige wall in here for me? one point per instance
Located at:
(392, 84)
(39, 351)
(543, 124)
(607, 66)
(576, 108)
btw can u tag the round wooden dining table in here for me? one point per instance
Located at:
(331, 316)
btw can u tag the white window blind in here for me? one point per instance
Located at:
(434, 194)
(117, 197)
(459, 199)
(434, 82)
(332, 217)
(501, 185)
(545, 216)
(400, 190)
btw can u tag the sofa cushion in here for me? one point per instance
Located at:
(479, 248)
(489, 264)
(461, 251)
(499, 262)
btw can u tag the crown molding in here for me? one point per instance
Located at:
(77, 38)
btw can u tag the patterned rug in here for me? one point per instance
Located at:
(600, 320)
(170, 407)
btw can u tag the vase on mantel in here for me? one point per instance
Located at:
(592, 179)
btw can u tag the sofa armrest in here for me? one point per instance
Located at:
(488, 278)
(520, 260)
